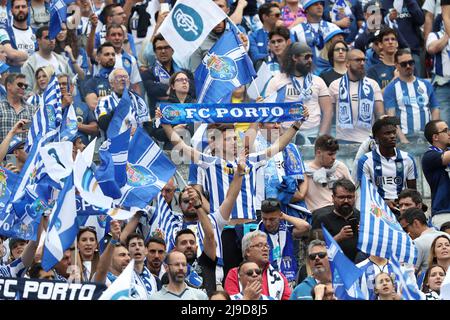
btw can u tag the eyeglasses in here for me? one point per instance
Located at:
(321, 255)
(404, 64)
(182, 80)
(341, 49)
(260, 245)
(22, 85)
(307, 56)
(359, 60)
(252, 272)
(277, 41)
(342, 198)
(163, 48)
(276, 15)
(445, 130)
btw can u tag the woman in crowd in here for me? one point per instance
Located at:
(88, 254)
(337, 56)
(440, 252)
(432, 282)
(42, 76)
(292, 14)
(384, 287)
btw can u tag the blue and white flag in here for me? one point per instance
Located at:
(8, 181)
(177, 113)
(407, 281)
(69, 126)
(380, 234)
(168, 222)
(62, 230)
(340, 10)
(58, 16)
(344, 273)
(119, 122)
(57, 159)
(49, 116)
(111, 174)
(224, 68)
(188, 24)
(148, 170)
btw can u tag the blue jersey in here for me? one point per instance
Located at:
(15, 269)
(412, 101)
(381, 73)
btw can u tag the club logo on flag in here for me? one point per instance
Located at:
(23, 231)
(101, 219)
(220, 67)
(139, 176)
(172, 113)
(3, 189)
(187, 22)
(380, 213)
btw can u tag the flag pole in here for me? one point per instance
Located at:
(92, 6)
(235, 26)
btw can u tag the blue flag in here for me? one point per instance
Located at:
(49, 116)
(58, 16)
(118, 123)
(8, 181)
(111, 174)
(380, 234)
(407, 281)
(148, 170)
(62, 229)
(344, 273)
(226, 67)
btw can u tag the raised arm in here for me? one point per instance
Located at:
(107, 255)
(284, 140)
(17, 129)
(131, 226)
(300, 226)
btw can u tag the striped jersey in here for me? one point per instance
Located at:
(367, 280)
(441, 61)
(218, 174)
(15, 269)
(389, 175)
(412, 101)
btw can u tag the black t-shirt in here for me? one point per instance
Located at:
(445, 2)
(329, 76)
(334, 223)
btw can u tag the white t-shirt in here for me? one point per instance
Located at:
(25, 39)
(135, 76)
(41, 62)
(357, 134)
(433, 6)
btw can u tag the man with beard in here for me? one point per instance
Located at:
(436, 168)
(177, 289)
(43, 57)
(317, 260)
(17, 37)
(156, 248)
(411, 99)
(388, 168)
(296, 82)
(98, 86)
(342, 220)
(357, 100)
(322, 172)
(281, 230)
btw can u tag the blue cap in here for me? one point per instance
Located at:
(14, 144)
(76, 136)
(308, 3)
(3, 67)
(331, 31)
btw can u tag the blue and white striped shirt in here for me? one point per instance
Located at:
(389, 175)
(367, 280)
(15, 269)
(412, 101)
(218, 176)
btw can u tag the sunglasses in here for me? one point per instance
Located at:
(272, 203)
(321, 255)
(254, 271)
(404, 64)
(442, 131)
(22, 85)
(341, 49)
(276, 15)
(182, 80)
(307, 56)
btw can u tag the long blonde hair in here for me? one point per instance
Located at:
(48, 70)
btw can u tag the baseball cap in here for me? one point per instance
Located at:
(15, 143)
(298, 48)
(3, 67)
(332, 31)
(14, 241)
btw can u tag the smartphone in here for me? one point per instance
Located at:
(10, 158)
(165, 7)
(26, 126)
(353, 222)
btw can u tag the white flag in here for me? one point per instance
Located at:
(57, 158)
(445, 287)
(188, 24)
(125, 287)
(258, 86)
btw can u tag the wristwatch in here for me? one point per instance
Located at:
(198, 206)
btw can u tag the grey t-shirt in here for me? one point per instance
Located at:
(187, 294)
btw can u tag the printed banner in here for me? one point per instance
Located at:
(36, 289)
(178, 113)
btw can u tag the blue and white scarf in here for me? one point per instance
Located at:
(161, 73)
(315, 38)
(306, 89)
(365, 104)
(282, 256)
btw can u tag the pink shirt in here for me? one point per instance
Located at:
(289, 17)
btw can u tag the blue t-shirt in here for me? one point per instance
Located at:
(381, 73)
(438, 177)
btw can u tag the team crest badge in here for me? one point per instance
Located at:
(220, 67)
(187, 22)
(172, 113)
(139, 176)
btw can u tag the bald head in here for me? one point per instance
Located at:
(356, 60)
